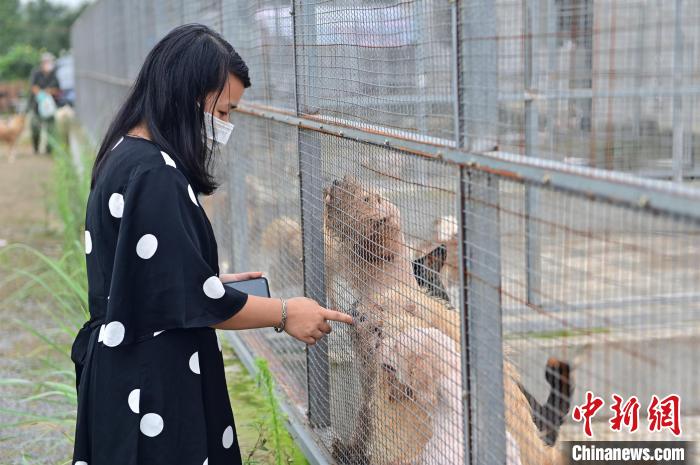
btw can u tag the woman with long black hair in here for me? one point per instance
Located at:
(149, 370)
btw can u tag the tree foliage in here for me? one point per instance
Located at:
(27, 29)
(18, 62)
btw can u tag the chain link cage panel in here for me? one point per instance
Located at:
(593, 296)
(257, 225)
(380, 216)
(602, 83)
(384, 65)
(487, 301)
(262, 34)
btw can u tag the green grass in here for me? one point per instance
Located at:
(57, 287)
(260, 423)
(557, 333)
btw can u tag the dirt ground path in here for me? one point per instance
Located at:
(25, 187)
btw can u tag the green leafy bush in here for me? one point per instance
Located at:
(18, 62)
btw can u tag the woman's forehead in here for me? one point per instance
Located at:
(231, 93)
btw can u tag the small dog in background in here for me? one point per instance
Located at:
(282, 236)
(438, 260)
(10, 132)
(64, 119)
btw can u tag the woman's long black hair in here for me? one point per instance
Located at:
(178, 73)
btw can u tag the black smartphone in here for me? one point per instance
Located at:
(254, 286)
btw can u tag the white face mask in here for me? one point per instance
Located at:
(221, 131)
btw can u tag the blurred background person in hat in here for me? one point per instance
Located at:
(42, 100)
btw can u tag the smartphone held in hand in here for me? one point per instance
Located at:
(255, 286)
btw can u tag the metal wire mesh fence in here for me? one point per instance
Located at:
(378, 168)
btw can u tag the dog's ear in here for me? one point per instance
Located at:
(426, 270)
(433, 260)
(550, 416)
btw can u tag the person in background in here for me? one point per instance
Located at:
(43, 78)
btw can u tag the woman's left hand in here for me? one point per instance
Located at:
(230, 277)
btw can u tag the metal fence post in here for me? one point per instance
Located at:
(479, 73)
(532, 244)
(483, 386)
(678, 121)
(459, 143)
(311, 192)
(476, 64)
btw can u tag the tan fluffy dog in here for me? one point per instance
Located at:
(281, 239)
(403, 428)
(365, 250)
(366, 258)
(10, 131)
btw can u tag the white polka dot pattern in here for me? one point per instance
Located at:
(194, 363)
(121, 139)
(213, 287)
(88, 242)
(227, 438)
(168, 160)
(116, 205)
(151, 424)
(146, 246)
(164, 275)
(134, 398)
(113, 334)
(193, 197)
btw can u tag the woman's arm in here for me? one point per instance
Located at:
(306, 319)
(258, 312)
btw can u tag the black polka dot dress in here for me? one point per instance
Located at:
(149, 368)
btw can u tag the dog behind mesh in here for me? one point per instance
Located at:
(367, 262)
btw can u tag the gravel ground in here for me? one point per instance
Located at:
(24, 217)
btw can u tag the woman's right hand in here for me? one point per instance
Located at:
(307, 320)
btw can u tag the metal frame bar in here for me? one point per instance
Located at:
(535, 94)
(585, 181)
(464, 326)
(532, 242)
(310, 190)
(482, 358)
(459, 138)
(317, 363)
(678, 121)
(483, 319)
